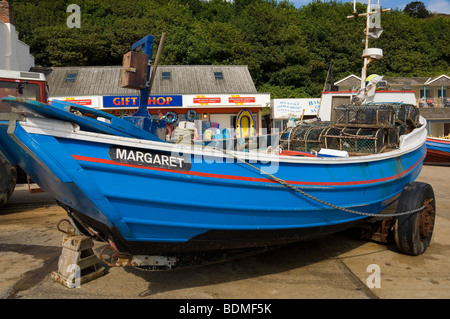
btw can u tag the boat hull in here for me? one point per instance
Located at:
(149, 197)
(438, 151)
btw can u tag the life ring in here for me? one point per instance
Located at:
(191, 115)
(171, 117)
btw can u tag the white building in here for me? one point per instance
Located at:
(215, 93)
(14, 54)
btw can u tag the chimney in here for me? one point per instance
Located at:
(6, 12)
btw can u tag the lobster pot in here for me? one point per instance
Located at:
(405, 112)
(307, 137)
(286, 134)
(367, 115)
(402, 129)
(392, 137)
(332, 138)
(285, 138)
(355, 140)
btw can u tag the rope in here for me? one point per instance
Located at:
(299, 190)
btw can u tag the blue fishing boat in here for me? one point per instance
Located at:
(438, 151)
(149, 197)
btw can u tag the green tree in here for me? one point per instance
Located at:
(417, 9)
(287, 50)
(219, 43)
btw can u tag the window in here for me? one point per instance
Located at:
(218, 75)
(165, 75)
(71, 77)
(25, 90)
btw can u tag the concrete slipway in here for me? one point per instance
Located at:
(337, 266)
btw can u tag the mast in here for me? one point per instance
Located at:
(366, 49)
(373, 31)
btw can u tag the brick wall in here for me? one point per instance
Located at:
(6, 13)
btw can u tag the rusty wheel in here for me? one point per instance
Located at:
(413, 232)
(8, 178)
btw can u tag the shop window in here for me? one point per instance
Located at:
(71, 77)
(233, 121)
(218, 75)
(166, 75)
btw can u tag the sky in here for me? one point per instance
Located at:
(440, 6)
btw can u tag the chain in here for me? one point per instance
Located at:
(299, 190)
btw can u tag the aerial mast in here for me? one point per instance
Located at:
(373, 31)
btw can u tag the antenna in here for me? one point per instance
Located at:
(373, 30)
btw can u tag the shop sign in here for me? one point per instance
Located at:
(202, 100)
(85, 101)
(223, 99)
(241, 99)
(79, 101)
(165, 100)
(133, 101)
(120, 101)
(285, 108)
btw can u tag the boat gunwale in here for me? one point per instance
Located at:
(34, 125)
(438, 140)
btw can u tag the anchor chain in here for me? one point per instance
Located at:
(302, 192)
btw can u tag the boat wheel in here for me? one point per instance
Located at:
(8, 178)
(413, 232)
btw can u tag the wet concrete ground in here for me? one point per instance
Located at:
(337, 266)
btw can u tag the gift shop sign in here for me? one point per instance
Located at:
(133, 101)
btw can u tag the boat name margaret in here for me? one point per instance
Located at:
(144, 157)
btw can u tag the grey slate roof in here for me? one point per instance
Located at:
(185, 79)
(414, 81)
(435, 113)
(353, 80)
